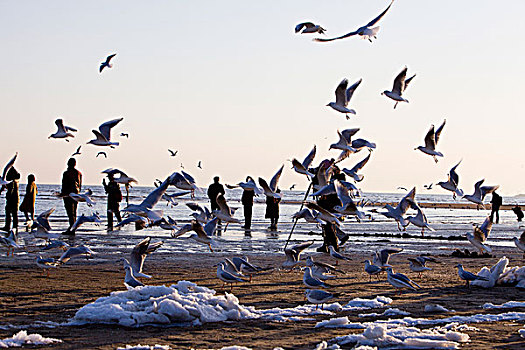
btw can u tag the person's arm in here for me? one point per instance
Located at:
(62, 194)
(222, 190)
(79, 181)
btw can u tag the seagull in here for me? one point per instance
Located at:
(224, 213)
(184, 181)
(308, 216)
(42, 219)
(122, 179)
(182, 166)
(102, 154)
(199, 165)
(270, 190)
(250, 185)
(139, 254)
(468, 276)
(402, 188)
(173, 154)
(431, 140)
(133, 218)
(8, 166)
(77, 152)
(293, 255)
(11, 242)
(322, 266)
(82, 219)
(309, 28)
(428, 187)
(323, 214)
(417, 264)
(129, 279)
(336, 255)
(359, 144)
(480, 192)
(420, 220)
(401, 209)
(367, 31)
(83, 197)
(343, 96)
(310, 281)
(302, 168)
(343, 144)
(103, 135)
(245, 267)
(353, 172)
(226, 276)
(452, 183)
(63, 131)
(292, 187)
(106, 63)
(74, 251)
(381, 258)
(347, 207)
(372, 269)
(123, 134)
(46, 264)
(202, 234)
(56, 244)
(400, 281)
(202, 215)
(317, 296)
(480, 235)
(520, 242)
(400, 85)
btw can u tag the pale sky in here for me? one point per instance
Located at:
(230, 84)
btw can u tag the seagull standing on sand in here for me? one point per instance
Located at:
(103, 135)
(317, 296)
(452, 183)
(309, 28)
(106, 63)
(11, 242)
(46, 264)
(226, 276)
(336, 255)
(400, 85)
(77, 152)
(310, 281)
(372, 270)
(63, 131)
(480, 235)
(417, 264)
(400, 281)
(343, 96)
(367, 32)
(468, 276)
(431, 140)
(139, 254)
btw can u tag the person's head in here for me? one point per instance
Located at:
(71, 163)
(12, 174)
(30, 178)
(216, 179)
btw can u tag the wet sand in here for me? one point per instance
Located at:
(27, 296)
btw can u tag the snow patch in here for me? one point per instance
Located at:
(22, 338)
(507, 305)
(145, 347)
(435, 308)
(387, 312)
(363, 304)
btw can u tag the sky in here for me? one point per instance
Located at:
(229, 83)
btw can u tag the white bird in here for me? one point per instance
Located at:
(480, 235)
(336, 255)
(417, 264)
(310, 281)
(53, 244)
(42, 219)
(226, 276)
(250, 185)
(11, 242)
(401, 209)
(453, 182)
(102, 154)
(367, 32)
(308, 216)
(8, 166)
(520, 242)
(431, 140)
(245, 267)
(480, 192)
(323, 214)
(343, 96)
(139, 254)
(106, 63)
(83, 197)
(293, 255)
(302, 168)
(468, 276)
(343, 144)
(327, 268)
(184, 181)
(201, 214)
(145, 208)
(77, 152)
(382, 257)
(74, 251)
(400, 85)
(82, 219)
(347, 207)
(129, 279)
(354, 171)
(372, 270)
(224, 213)
(133, 218)
(317, 296)
(271, 189)
(103, 134)
(202, 234)
(359, 144)
(420, 220)
(63, 131)
(309, 28)
(400, 281)
(46, 264)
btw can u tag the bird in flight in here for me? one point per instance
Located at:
(182, 166)
(123, 134)
(309, 28)
(199, 165)
(173, 154)
(102, 154)
(292, 187)
(106, 63)
(77, 152)
(400, 85)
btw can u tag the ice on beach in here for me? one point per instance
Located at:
(435, 308)
(402, 337)
(363, 304)
(324, 346)
(22, 338)
(145, 347)
(522, 332)
(387, 312)
(507, 305)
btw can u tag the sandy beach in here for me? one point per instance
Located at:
(27, 296)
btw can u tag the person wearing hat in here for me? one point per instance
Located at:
(71, 183)
(112, 189)
(11, 200)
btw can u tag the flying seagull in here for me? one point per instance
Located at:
(63, 132)
(400, 85)
(343, 94)
(173, 154)
(452, 183)
(106, 63)
(431, 140)
(102, 154)
(123, 134)
(309, 28)
(480, 235)
(103, 134)
(139, 254)
(367, 31)
(199, 165)
(302, 168)
(77, 152)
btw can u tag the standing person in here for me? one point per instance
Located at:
(114, 198)
(519, 213)
(247, 202)
(272, 210)
(496, 202)
(11, 200)
(213, 191)
(28, 204)
(71, 183)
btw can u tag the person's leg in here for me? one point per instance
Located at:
(14, 213)
(7, 225)
(497, 216)
(26, 214)
(492, 215)
(247, 216)
(110, 219)
(74, 210)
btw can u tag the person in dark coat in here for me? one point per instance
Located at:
(519, 213)
(213, 191)
(71, 183)
(496, 202)
(28, 204)
(112, 189)
(272, 210)
(11, 200)
(247, 202)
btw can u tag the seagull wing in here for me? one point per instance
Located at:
(60, 125)
(309, 158)
(343, 194)
(9, 165)
(477, 188)
(348, 133)
(407, 81)
(340, 93)
(351, 89)
(453, 175)
(399, 82)
(361, 164)
(108, 59)
(195, 207)
(384, 254)
(439, 130)
(211, 226)
(99, 136)
(223, 206)
(486, 227)
(375, 20)
(138, 254)
(430, 141)
(188, 177)
(337, 38)
(275, 179)
(105, 128)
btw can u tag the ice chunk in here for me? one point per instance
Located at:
(22, 338)
(507, 305)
